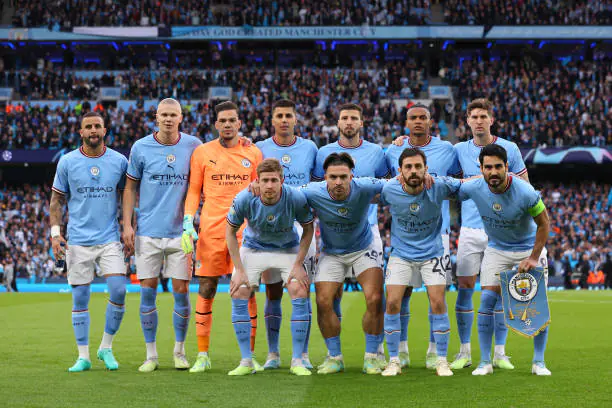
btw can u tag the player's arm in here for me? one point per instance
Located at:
(192, 201)
(58, 243)
(540, 216)
(129, 202)
(239, 277)
(298, 272)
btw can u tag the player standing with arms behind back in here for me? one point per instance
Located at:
(473, 238)
(159, 170)
(220, 169)
(90, 179)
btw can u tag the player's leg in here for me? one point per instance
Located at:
(493, 262)
(80, 264)
(472, 243)
(404, 353)
(273, 316)
(242, 328)
(112, 267)
(179, 268)
(329, 277)
(371, 280)
(538, 366)
(299, 316)
(310, 265)
(149, 261)
(396, 279)
(377, 250)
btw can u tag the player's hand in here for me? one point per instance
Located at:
(245, 141)
(399, 141)
(128, 240)
(299, 274)
(527, 264)
(428, 181)
(59, 246)
(189, 234)
(254, 188)
(239, 279)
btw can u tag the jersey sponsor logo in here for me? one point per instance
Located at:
(523, 287)
(271, 218)
(170, 158)
(286, 159)
(415, 207)
(246, 163)
(95, 171)
(230, 177)
(497, 207)
(97, 189)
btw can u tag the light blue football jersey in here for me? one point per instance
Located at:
(505, 216)
(441, 161)
(467, 154)
(297, 159)
(163, 173)
(270, 227)
(91, 186)
(369, 162)
(344, 224)
(416, 220)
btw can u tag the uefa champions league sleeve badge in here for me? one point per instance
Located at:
(525, 301)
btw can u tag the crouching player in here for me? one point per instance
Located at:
(418, 252)
(270, 243)
(516, 222)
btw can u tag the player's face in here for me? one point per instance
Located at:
(350, 123)
(169, 117)
(418, 121)
(270, 184)
(339, 180)
(413, 171)
(284, 121)
(92, 131)
(480, 122)
(228, 124)
(494, 171)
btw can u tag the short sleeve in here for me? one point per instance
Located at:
(370, 185)
(515, 161)
(124, 166)
(382, 169)
(455, 167)
(318, 173)
(135, 165)
(303, 214)
(449, 185)
(464, 191)
(60, 182)
(236, 214)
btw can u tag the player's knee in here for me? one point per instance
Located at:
(180, 286)
(374, 301)
(393, 307)
(116, 289)
(207, 288)
(274, 291)
(325, 304)
(243, 294)
(296, 290)
(438, 306)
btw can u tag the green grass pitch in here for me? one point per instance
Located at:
(37, 346)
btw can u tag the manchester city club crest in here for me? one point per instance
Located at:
(246, 163)
(271, 218)
(170, 158)
(497, 207)
(415, 207)
(343, 211)
(286, 159)
(525, 301)
(95, 171)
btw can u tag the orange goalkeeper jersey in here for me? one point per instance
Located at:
(219, 173)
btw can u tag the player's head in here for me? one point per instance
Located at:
(494, 164)
(284, 117)
(338, 174)
(227, 124)
(480, 117)
(350, 120)
(418, 120)
(169, 115)
(270, 176)
(413, 166)
(92, 129)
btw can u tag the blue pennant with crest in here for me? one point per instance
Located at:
(525, 301)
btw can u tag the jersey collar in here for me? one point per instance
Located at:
(92, 157)
(419, 146)
(284, 145)
(481, 146)
(350, 147)
(166, 144)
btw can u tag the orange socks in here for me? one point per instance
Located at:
(203, 322)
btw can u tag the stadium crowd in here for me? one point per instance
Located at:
(580, 240)
(528, 12)
(65, 15)
(539, 104)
